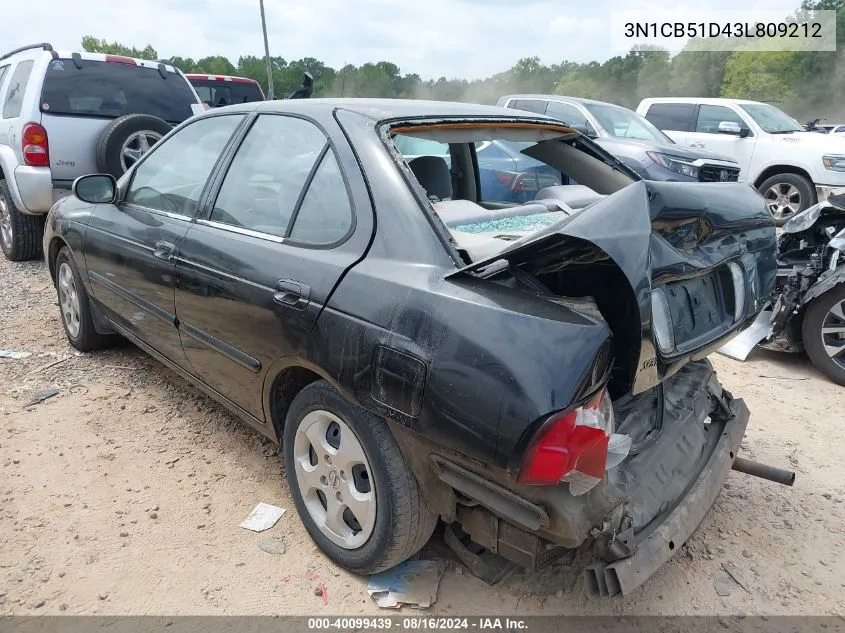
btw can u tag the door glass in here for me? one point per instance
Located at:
(3, 71)
(172, 176)
(17, 86)
(531, 105)
(569, 114)
(709, 117)
(325, 215)
(265, 180)
(671, 116)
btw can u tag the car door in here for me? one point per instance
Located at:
(257, 268)
(130, 246)
(706, 136)
(674, 119)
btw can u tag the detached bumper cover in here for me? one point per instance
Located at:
(659, 545)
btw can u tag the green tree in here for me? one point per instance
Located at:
(92, 44)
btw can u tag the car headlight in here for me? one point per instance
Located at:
(805, 219)
(674, 163)
(834, 162)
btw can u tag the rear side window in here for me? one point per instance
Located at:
(531, 105)
(110, 90)
(3, 71)
(16, 89)
(325, 215)
(671, 116)
(264, 183)
(223, 93)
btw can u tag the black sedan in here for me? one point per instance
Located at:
(532, 374)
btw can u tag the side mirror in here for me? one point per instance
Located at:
(95, 188)
(732, 127)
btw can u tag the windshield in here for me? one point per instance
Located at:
(772, 120)
(623, 123)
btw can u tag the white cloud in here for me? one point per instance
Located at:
(452, 38)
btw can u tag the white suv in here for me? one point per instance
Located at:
(63, 115)
(792, 168)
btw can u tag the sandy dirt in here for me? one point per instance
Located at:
(123, 494)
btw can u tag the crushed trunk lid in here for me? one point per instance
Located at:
(677, 236)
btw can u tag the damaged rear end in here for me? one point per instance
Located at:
(674, 269)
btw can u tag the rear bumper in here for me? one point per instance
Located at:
(32, 190)
(623, 576)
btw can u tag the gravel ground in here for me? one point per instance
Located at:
(123, 493)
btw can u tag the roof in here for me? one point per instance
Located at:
(561, 98)
(710, 100)
(385, 109)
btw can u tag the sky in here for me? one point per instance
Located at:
(433, 38)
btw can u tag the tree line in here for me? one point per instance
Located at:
(806, 84)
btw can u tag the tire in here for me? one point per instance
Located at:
(824, 312)
(80, 331)
(792, 188)
(402, 522)
(126, 139)
(20, 234)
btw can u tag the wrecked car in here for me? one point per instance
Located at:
(807, 307)
(534, 375)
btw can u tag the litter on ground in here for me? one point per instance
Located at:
(414, 582)
(263, 517)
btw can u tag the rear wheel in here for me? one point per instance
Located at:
(351, 486)
(787, 195)
(20, 234)
(823, 332)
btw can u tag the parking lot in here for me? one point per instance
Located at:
(123, 494)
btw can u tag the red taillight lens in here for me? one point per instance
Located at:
(525, 182)
(505, 177)
(570, 443)
(36, 151)
(120, 59)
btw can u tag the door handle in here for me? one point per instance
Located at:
(697, 144)
(164, 251)
(292, 294)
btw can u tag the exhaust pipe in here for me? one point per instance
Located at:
(764, 471)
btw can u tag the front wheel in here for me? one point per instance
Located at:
(823, 332)
(786, 195)
(351, 486)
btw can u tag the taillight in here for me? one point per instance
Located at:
(505, 177)
(525, 182)
(572, 446)
(120, 59)
(36, 152)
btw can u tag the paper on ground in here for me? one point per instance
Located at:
(7, 353)
(414, 582)
(263, 517)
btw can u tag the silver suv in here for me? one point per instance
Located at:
(63, 115)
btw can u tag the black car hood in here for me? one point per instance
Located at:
(656, 232)
(616, 145)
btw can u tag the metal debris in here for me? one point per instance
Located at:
(41, 395)
(414, 582)
(7, 353)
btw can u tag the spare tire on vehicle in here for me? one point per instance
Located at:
(126, 139)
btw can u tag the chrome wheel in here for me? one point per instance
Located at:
(68, 299)
(135, 146)
(5, 224)
(783, 200)
(833, 333)
(335, 479)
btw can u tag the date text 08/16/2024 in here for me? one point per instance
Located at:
(418, 623)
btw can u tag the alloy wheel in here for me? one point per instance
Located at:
(135, 146)
(335, 479)
(833, 333)
(783, 200)
(5, 224)
(69, 299)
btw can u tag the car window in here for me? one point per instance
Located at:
(772, 120)
(412, 147)
(325, 215)
(671, 116)
(17, 86)
(111, 89)
(568, 114)
(3, 71)
(263, 184)
(172, 176)
(509, 176)
(220, 93)
(531, 105)
(623, 123)
(709, 117)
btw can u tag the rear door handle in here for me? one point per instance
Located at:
(292, 294)
(164, 251)
(697, 144)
